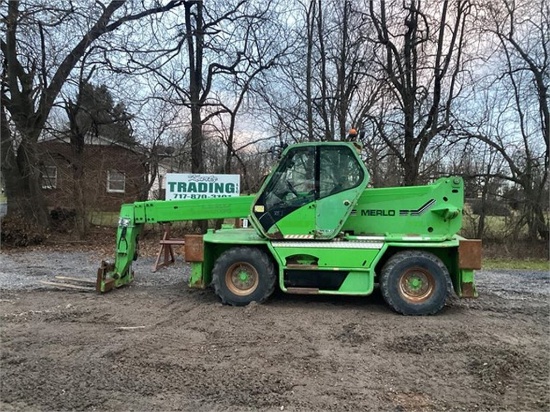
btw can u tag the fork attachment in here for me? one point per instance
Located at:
(105, 282)
(65, 282)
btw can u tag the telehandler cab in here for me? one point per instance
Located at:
(317, 229)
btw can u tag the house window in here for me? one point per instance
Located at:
(49, 177)
(115, 181)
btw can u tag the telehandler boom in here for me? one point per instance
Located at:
(317, 229)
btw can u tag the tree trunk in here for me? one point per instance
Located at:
(343, 103)
(195, 54)
(197, 164)
(81, 219)
(23, 183)
(534, 213)
(480, 232)
(309, 69)
(408, 161)
(79, 192)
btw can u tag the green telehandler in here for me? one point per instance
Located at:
(316, 228)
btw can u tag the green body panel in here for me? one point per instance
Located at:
(333, 211)
(352, 259)
(432, 211)
(327, 255)
(234, 237)
(299, 222)
(356, 283)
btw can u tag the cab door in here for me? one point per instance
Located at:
(285, 206)
(342, 179)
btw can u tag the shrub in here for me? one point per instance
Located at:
(492, 207)
(18, 231)
(63, 220)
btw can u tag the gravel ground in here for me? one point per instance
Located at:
(158, 346)
(21, 270)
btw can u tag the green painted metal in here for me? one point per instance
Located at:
(357, 283)
(134, 216)
(330, 255)
(464, 285)
(298, 223)
(233, 236)
(160, 211)
(127, 233)
(323, 227)
(432, 211)
(196, 279)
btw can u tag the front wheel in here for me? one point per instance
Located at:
(242, 275)
(415, 283)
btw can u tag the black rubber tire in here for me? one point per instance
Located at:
(256, 267)
(415, 282)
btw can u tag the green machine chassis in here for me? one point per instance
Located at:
(318, 229)
(355, 259)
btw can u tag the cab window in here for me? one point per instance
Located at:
(294, 178)
(339, 171)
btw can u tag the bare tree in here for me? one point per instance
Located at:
(420, 56)
(243, 57)
(194, 35)
(518, 96)
(34, 73)
(325, 86)
(227, 132)
(77, 135)
(311, 13)
(159, 127)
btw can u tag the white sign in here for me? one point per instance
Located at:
(181, 186)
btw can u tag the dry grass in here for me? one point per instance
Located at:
(516, 249)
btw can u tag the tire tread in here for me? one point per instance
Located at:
(400, 305)
(235, 254)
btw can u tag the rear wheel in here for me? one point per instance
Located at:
(415, 283)
(242, 275)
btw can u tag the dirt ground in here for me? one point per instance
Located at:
(158, 346)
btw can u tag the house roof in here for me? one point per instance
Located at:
(91, 140)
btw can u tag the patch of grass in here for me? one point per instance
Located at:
(527, 264)
(496, 227)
